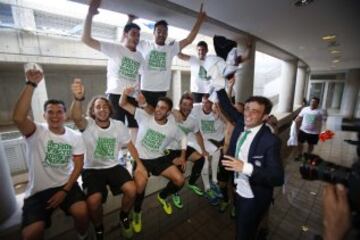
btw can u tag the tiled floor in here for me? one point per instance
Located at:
(296, 214)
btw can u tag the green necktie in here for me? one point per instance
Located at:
(238, 146)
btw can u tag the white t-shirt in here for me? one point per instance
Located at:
(200, 81)
(312, 120)
(123, 67)
(157, 68)
(103, 145)
(153, 138)
(188, 127)
(49, 157)
(211, 126)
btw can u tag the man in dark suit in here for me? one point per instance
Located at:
(254, 157)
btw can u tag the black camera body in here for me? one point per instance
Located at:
(315, 168)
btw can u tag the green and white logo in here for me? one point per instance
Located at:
(58, 154)
(208, 126)
(129, 68)
(203, 74)
(157, 60)
(105, 148)
(153, 140)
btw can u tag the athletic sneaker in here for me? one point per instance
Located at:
(195, 189)
(177, 200)
(126, 229)
(223, 206)
(136, 222)
(165, 205)
(216, 189)
(211, 197)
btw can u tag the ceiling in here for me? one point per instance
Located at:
(282, 29)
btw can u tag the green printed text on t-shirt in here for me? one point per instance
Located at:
(58, 154)
(185, 129)
(208, 126)
(105, 148)
(157, 60)
(153, 140)
(203, 74)
(129, 68)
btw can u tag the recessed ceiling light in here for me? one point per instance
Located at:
(335, 60)
(335, 52)
(329, 37)
(302, 3)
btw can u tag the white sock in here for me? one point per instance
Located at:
(205, 175)
(214, 166)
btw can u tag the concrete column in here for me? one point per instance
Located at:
(176, 87)
(299, 86)
(244, 83)
(351, 92)
(288, 79)
(37, 102)
(336, 99)
(8, 202)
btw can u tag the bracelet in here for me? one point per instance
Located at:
(80, 99)
(34, 85)
(64, 190)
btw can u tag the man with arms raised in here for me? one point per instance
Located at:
(55, 156)
(158, 55)
(124, 63)
(254, 156)
(104, 138)
(156, 134)
(200, 81)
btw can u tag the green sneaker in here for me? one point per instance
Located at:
(232, 212)
(165, 205)
(211, 197)
(223, 206)
(177, 200)
(127, 233)
(126, 229)
(195, 189)
(136, 222)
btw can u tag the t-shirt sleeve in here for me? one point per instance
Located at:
(301, 114)
(143, 44)
(140, 115)
(79, 145)
(124, 135)
(111, 50)
(175, 49)
(192, 60)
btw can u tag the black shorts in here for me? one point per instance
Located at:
(307, 137)
(35, 207)
(197, 97)
(96, 180)
(218, 144)
(158, 165)
(120, 113)
(152, 97)
(189, 151)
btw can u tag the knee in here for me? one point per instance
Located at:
(129, 189)
(179, 180)
(94, 201)
(79, 211)
(33, 231)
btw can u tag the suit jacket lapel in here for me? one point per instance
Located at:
(254, 144)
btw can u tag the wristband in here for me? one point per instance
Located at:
(80, 99)
(34, 85)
